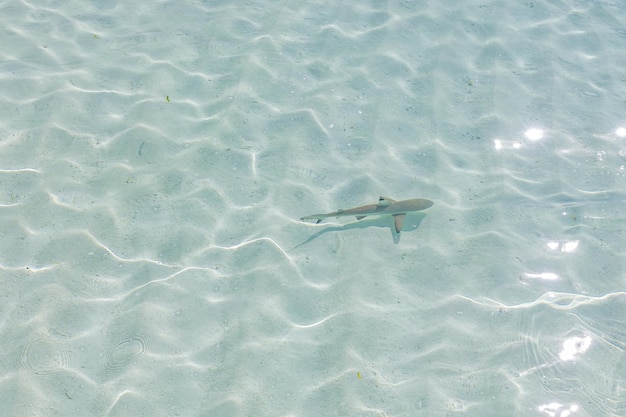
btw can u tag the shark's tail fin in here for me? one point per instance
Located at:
(317, 217)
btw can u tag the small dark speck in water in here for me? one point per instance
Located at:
(140, 148)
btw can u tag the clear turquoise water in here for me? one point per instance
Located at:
(156, 157)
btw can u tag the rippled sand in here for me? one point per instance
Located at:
(155, 160)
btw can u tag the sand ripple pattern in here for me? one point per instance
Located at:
(125, 352)
(155, 158)
(42, 356)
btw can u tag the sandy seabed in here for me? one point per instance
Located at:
(155, 160)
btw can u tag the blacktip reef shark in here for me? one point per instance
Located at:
(398, 209)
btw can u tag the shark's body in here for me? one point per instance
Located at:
(398, 209)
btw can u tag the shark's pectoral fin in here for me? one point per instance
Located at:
(360, 217)
(399, 219)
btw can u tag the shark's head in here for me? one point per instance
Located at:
(417, 204)
(425, 203)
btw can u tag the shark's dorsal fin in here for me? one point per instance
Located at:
(385, 201)
(360, 217)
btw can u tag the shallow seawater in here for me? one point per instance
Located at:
(156, 159)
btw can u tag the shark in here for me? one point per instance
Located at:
(386, 205)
